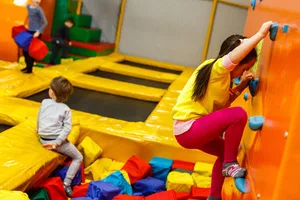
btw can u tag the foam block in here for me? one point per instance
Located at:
(99, 167)
(13, 195)
(168, 195)
(81, 190)
(38, 194)
(201, 181)
(68, 162)
(38, 49)
(61, 172)
(103, 190)
(127, 197)
(183, 165)
(17, 29)
(180, 182)
(23, 40)
(182, 195)
(54, 187)
(90, 150)
(115, 165)
(149, 186)
(82, 198)
(183, 171)
(118, 180)
(137, 169)
(161, 167)
(200, 193)
(74, 134)
(204, 169)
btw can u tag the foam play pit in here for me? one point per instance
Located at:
(128, 197)
(201, 181)
(161, 167)
(82, 198)
(182, 195)
(90, 151)
(61, 172)
(149, 186)
(200, 193)
(183, 165)
(204, 169)
(168, 195)
(115, 165)
(102, 190)
(95, 170)
(80, 191)
(179, 182)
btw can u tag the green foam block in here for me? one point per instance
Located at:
(84, 34)
(38, 195)
(82, 20)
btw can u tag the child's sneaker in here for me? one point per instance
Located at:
(68, 190)
(233, 170)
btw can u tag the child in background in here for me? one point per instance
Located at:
(37, 22)
(201, 112)
(58, 40)
(54, 125)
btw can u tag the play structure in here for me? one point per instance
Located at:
(122, 103)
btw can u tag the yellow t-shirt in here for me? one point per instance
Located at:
(216, 97)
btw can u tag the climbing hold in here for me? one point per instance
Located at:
(253, 86)
(253, 4)
(242, 184)
(285, 28)
(256, 122)
(237, 80)
(273, 31)
(246, 96)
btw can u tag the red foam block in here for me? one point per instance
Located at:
(17, 29)
(127, 197)
(200, 193)
(182, 195)
(80, 191)
(183, 165)
(54, 187)
(168, 195)
(137, 169)
(38, 49)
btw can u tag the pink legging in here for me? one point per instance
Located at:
(205, 136)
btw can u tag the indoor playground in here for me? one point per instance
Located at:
(128, 61)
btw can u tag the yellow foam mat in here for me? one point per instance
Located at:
(117, 87)
(137, 72)
(23, 160)
(13, 195)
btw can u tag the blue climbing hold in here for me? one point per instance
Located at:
(242, 184)
(273, 31)
(246, 96)
(256, 122)
(253, 86)
(237, 81)
(285, 28)
(253, 4)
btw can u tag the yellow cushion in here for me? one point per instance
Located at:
(74, 135)
(204, 169)
(115, 165)
(13, 195)
(201, 181)
(90, 150)
(97, 169)
(180, 182)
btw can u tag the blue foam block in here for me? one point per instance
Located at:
(256, 122)
(253, 86)
(118, 180)
(161, 167)
(82, 198)
(242, 185)
(23, 40)
(61, 172)
(149, 186)
(102, 190)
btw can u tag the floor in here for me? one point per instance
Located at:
(130, 79)
(104, 104)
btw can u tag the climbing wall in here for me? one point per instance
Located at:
(272, 153)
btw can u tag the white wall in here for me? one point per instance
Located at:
(105, 16)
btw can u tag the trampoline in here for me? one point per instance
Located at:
(125, 62)
(129, 79)
(104, 104)
(4, 127)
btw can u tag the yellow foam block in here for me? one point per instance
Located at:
(204, 169)
(117, 87)
(74, 134)
(90, 151)
(180, 182)
(201, 181)
(13, 195)
(66, 60)
(115, 165)
(100, 166)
